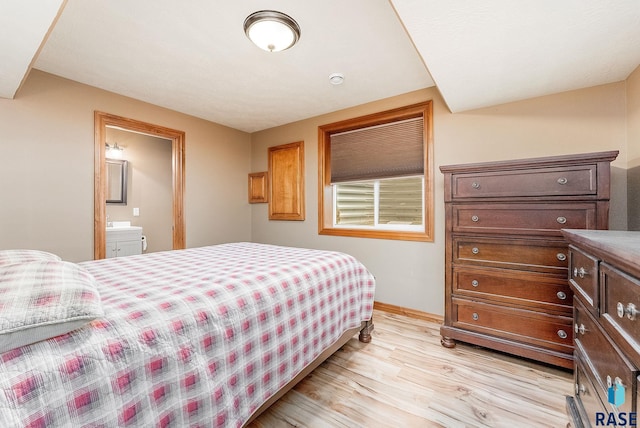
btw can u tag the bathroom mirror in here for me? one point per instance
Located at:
(116, 171)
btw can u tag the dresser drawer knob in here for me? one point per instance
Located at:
(562, 180)
(561, 295)
(475, 185)
(561, 220)
(620, 309)
(579, 272)
(562, 334)
(475, 316)
(474, 218)
(475, 283)
(617, 381)
(561, 256)
(580, 329)
(475, 250)
(631, 311)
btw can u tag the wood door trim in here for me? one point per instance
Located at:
(101, 121)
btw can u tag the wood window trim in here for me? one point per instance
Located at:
(325, 193)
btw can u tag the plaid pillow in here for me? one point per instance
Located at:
(44, 299)
(9, 257)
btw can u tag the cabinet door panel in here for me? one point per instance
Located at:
(112, 250)
(129, 248)
(286, 182)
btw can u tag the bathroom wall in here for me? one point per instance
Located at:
(149, 187)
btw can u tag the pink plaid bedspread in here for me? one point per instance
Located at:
(198, 337)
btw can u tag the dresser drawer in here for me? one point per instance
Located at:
(531, 289)
(523, 218)
(604, 358)
(587, 393)
(530, 327)
(583, 276)
(620, 307)
(534, 255)
(562, 181)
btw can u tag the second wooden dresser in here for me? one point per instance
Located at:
(506, 260)
(605, 276)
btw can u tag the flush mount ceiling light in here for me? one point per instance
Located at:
(271, 30)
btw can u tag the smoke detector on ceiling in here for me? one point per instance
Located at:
(336, 78)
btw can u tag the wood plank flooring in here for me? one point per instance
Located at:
(405, 378)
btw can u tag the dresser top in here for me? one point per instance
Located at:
(546, 162)
(616, 246)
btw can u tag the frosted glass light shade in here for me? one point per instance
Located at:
(272, 31)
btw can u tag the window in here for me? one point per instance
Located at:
(391, 203)
(375, 175)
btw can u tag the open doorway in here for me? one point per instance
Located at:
(105, 123)
(146, 181)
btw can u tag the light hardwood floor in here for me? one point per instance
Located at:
(405, 378)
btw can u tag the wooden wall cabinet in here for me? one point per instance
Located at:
(286, 182)
(258, 187)
(506, 259)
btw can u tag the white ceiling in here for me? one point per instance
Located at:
(23, 27)
(193, 56)
(483, 53)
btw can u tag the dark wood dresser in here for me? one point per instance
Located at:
(604, 272)
(506, 259)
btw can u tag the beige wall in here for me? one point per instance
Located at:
(46, 179)
(411, 274)
(149, 187)
(47, 174)
(633, 141)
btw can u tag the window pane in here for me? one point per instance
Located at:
(355, 204)
(401, 201)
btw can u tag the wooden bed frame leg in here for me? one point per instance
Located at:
(365, 332)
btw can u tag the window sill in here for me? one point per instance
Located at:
(377, 234)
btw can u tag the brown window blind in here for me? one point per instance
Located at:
(391, 150)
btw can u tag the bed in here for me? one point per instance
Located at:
(206, 336)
